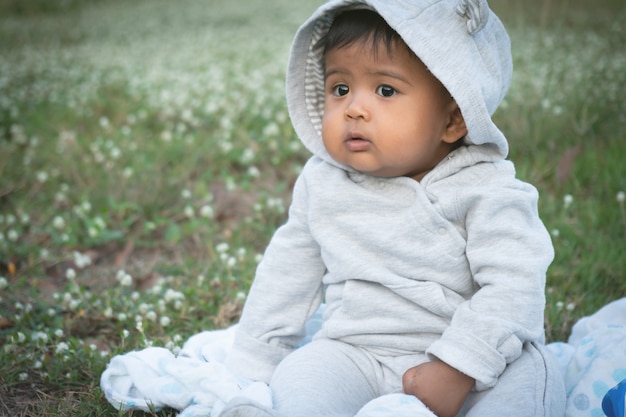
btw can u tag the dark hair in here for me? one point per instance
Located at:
(359, 25)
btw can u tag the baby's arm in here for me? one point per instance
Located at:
(286, 291)
(438, 385)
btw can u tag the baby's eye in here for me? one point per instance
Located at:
(386, 91)
(341, 90)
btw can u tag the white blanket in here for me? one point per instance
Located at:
(197, 383)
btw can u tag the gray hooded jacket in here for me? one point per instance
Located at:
(452, 266)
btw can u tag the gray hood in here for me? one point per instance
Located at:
(462, 43)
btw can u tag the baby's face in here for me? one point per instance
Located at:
(385, 114)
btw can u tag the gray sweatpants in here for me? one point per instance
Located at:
(330, 378)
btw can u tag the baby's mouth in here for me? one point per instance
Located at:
(356, 136)
(356, 143)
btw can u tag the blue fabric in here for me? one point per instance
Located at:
(613, 402)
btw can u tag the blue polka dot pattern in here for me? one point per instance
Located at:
(600, 388)
(596, 412)
(581, 402)
(619, 374)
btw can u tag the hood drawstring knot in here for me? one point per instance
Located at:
(476, 12)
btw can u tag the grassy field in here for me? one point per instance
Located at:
(146, 157)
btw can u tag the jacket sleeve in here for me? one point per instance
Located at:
(286, 291)
(509, 251)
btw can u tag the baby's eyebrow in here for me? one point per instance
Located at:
(381, 73)
(391, 74)
(334, 71)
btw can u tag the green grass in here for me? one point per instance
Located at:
(151, 138)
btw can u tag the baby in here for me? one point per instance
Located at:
(407, 222)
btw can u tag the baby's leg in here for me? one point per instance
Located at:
(325, 378)
(531, 386)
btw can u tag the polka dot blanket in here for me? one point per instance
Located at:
(195, 382)
(593, 361)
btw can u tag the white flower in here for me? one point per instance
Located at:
(568, 199)
(165, 321)
(58, 333)
(166, 136)
(81, 260)
(151, 315)
(175, 349)
(59, 197)
(39, 335)
(173, 295)
(254, 172)
(70, 274)
(207, 211)
(3, 283)
(115, 153)
(58, 222)
(23, 376)
(61, 347)
(271, 129)
(12, 235)
(620, 197)
(226, 146)
(42, 176)
(124, 279)
(247, 156)
(143, 308)
(100, 223)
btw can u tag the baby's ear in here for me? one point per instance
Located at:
(456, 128)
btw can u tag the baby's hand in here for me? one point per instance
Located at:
(438, 385)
